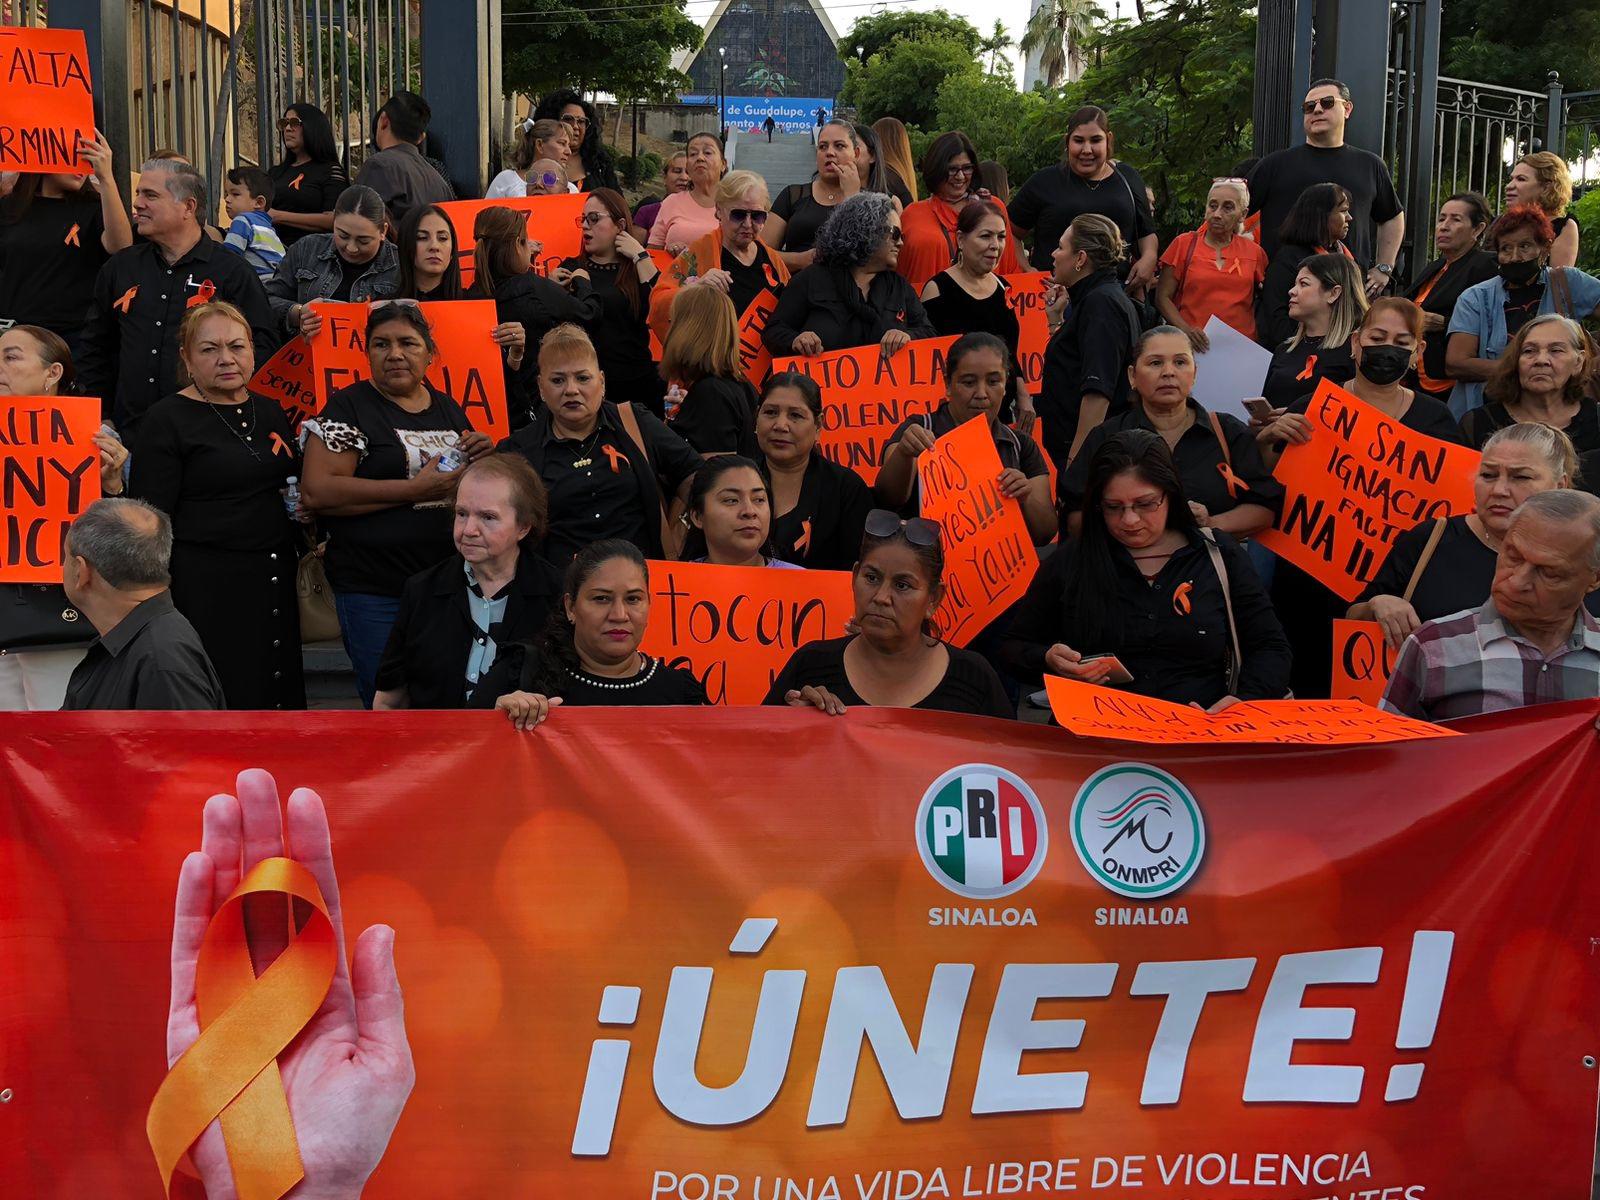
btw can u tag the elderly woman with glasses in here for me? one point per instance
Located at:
(896, 660)
(1212, 271)
(852, 295)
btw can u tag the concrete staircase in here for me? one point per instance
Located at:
(791, 158)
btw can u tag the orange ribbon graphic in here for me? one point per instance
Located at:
(125, 301)
(1180, 599)
(279, 446)
(72, 238)
(1232, 482)
(295, 183)
(802, 544)
(616, 458)
(1311, 368)
(205, 294)
(231, 1072)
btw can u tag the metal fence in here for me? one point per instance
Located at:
(1580, 137)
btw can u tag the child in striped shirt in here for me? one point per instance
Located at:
(252, 233)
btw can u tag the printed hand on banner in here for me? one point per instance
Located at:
(348, 1074)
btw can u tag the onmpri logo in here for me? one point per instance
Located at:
(1138, 830)
(981, 831)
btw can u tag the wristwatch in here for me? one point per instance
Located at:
(642, 256)
(1386, 268)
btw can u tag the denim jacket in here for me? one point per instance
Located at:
(312, 269)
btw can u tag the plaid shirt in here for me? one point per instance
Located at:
(1475, 662)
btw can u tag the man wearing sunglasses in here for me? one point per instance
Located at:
(1377, 220)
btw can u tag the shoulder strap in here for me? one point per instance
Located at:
(1561, 291)
(1221, 568)
(1427, 557)
(1232, 482)
(1183, 276)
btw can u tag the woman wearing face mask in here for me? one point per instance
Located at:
(1318, 223)
(1215, 455)
(1488, 314)
(589, 653)
(1458, 233)
(1542, 378)
(686, 217)
(818, 507)
(1326, 302)
(1543, 179)
(355, 262)
(429, 269)
(622, 274)
(216, 458)
(730, 512)
(895, 661)
(42, 637)
(538, 141)
(1180, 608)
(975, 386)
(801, 209)
(308, 181)
(1212, 271)
(674, 178)
(454, 617)
(932, 225)
(1446, 565)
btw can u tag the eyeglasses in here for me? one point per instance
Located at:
(897, 236)
(1143, 507)
(953, 172)
(918, 531)
(576, 122)
(288, 123)
(590, 220)
(756, 216)
(1325, 103)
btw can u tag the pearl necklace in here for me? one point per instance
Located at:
(638, 680)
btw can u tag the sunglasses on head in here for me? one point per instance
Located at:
(919, 531)
(756, 216)
(1325, 103)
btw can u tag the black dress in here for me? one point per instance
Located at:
(969, 684)
(718, 416)
(621, 336)
(955, 311)
(521, 667)
(305, 188)
(1480, 424)
(823, 530)
(217, 471)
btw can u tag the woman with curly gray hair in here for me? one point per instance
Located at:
(852, 295)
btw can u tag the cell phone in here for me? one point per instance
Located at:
(1258, 407)
(1119, 673)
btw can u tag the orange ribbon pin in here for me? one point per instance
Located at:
(1180, 598)
(297, 181)
(231, 1072)
(279, 446)
(1311, 368)
(125, 301)
(72, 238)
(1232, 482)
(802, 544)
(616, 458)
(204, 294)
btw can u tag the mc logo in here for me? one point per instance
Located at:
(1138, 831)
(981, 832)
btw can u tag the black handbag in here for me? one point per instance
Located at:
(34, 616)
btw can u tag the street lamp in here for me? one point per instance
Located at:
(722, 92)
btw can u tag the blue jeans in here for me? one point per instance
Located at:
(365, 621)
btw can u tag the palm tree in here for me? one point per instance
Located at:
(995, 46)
(1058, 30)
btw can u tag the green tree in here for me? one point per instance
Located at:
(627, 50)
(876, 33)
(995, 46)
(990, 110)
(1059, 30)
(1518, 44)
(903, 79)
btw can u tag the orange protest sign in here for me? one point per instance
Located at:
(49, 473)
(1026, 298)
(467, 367)
(46, 102)
(865, 396)
(552, 222)
(989, 559)
(754, 357)
(1089, 710)
(735, 627)
(1358, 482)
(287, 378)
(1362, 661)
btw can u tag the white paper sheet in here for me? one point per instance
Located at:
(1234, 367)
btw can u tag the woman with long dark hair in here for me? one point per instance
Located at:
(429, 269)
(932, 245)
(503, 272)
(1318, 223)
(1458, 234)
(730, 515)
(1178, 608)
(818, 507)
(308, 181)
(622, 274)
(590, 166)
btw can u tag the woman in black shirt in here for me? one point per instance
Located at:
(895, 661)
(591, 165)
(56, 231)
(381, 465)
(216, 458)
(1542, 378)
(356, 262)
(589, 654)
(801, 210)
(818, 507)
(1317, 223)
(622, 274)
(503, 272)
(309, 181)
(1179, 607)
(717, 414)
(1458, 233)
(429, 267)
(1327, 302)
(455, 617)
(852, 295)
(1447, 565)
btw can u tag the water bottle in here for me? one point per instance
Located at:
(451, 459)
(675, 395)
(291, 496)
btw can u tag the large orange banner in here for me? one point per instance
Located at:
(46, 102)
(1359, 481)
(49, 473)
(865, 396)
(659, 953)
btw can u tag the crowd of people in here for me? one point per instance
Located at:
(517, 576)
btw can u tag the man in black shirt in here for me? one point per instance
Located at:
(1377, 220)
(148, 656)
(129, 349)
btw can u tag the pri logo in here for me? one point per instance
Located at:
(1138, 831)
(981, 832)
